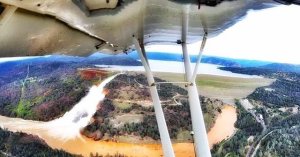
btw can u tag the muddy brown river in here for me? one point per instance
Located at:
(63, 133)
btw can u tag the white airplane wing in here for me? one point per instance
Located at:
(81, 27)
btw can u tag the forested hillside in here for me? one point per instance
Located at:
(285, 91)
(277, 108)
(44, 88)
(128, 110)
(23, 145)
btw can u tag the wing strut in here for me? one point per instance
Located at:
(199, 58)
(160, 118)
(200, 135)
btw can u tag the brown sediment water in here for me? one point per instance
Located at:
(223, 128)
(224, 125)
(85, 146)
(64, 132)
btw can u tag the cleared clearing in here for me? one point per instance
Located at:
(220, 87)
(120, 120)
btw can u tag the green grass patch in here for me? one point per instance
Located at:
(23, 109)
(209, 120)
(122, 105)
(37, 100)
(220, 84)
(184, 135)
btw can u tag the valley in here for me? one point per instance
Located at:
(54, 136)
(87, 110)
(224, 88)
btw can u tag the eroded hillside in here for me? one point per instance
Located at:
(127, 113)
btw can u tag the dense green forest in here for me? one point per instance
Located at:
(281, 142)
(278, 104)
(283, 92)
(23, 145)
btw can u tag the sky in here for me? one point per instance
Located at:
(271, 34)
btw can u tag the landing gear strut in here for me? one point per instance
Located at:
(200, 135)
(160, 118)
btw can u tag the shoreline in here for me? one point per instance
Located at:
(83, 145)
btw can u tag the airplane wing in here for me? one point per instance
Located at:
(81, 27)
